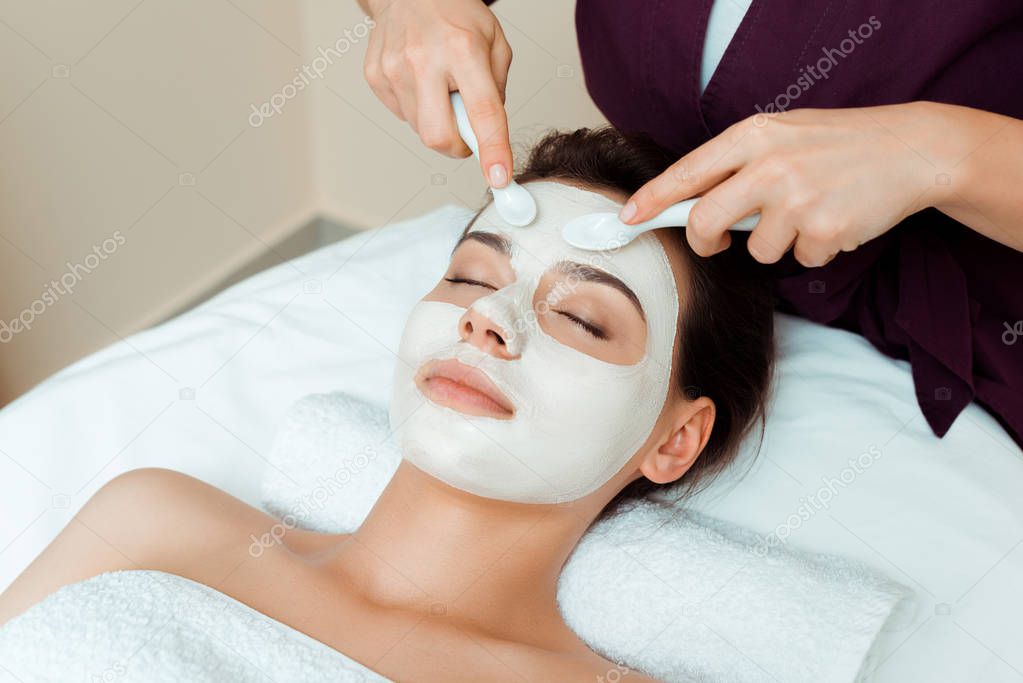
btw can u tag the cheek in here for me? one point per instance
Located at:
(571, 392)
(431, 326)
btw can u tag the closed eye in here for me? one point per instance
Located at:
(589, 327)
(469, 281)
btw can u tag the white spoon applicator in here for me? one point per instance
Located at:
(601, 231)
(513, 202)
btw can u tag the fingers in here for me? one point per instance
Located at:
(422, 97)
(500, 63)
(707, 231)
(419, 52)
(436, 118)
(772, 238)
(778, 230)
(739, 196)
(720, 208)
(485, 107)
(813, 253)
(378, 83)
(405, 92)
(701, 169)
(391, 77)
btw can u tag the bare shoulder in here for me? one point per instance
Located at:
(147, 519)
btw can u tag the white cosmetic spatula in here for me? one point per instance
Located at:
(513, 202)
(601, 231)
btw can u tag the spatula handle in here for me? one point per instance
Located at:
(462, 121)
(678, 215)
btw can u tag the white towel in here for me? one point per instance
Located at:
(152, 627)
(677, 595)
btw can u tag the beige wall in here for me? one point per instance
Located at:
(130, 168)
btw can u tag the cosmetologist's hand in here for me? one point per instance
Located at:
(824, 180)
(422, 50)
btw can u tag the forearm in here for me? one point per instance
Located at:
(979, 172)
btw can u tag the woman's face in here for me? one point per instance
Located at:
(533, 371)
(577, 304)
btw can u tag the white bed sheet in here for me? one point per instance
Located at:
(204, 392)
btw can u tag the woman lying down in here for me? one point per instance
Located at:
(538, 386)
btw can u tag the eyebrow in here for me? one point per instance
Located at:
(498, 243)
(590, 274)
(584, 272)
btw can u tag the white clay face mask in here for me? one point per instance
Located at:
(577, 419)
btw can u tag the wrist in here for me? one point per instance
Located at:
(954, 131)
(924, 130)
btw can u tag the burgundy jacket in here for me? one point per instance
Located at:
(931, 290)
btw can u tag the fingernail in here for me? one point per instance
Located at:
(497, 175)
(628, 212)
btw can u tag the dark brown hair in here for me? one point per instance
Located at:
(726, 350)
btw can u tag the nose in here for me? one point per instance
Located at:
(480, 331)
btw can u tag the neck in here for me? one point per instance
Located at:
(428, 546)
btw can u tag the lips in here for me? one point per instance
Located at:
(461, 387)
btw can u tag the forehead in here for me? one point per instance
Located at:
(538, 246)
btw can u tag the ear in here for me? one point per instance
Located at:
(689, 434)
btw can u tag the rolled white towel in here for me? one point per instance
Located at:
(677, 595)
(331, 458)
(684, 596)
(154, 627)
